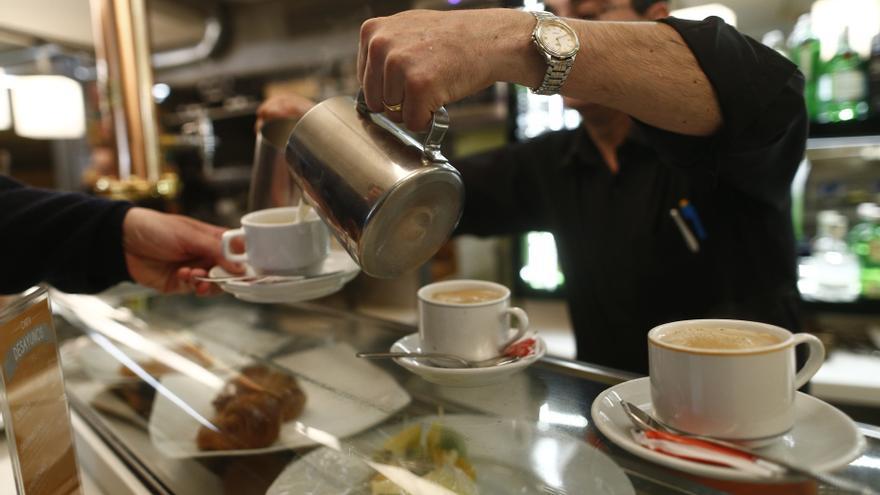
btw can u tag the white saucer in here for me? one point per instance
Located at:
(338, 266)
(461, 377)
(823, 438)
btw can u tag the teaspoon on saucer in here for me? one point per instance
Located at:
(250, 278)
(644, 421)
(264, 279)
(436, 356)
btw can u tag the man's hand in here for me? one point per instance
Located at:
(165, 252)
(422, 59)
(286, 106)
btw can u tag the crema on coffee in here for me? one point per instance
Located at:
(467, 296)
(719, 338)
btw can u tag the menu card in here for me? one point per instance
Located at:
(34, 404)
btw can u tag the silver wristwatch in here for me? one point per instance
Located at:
(558, 44)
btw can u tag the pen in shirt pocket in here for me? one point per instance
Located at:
(689, 212)
(686, 233)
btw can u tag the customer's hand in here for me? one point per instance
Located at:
(423, 59)
(286, 106)
(165, 252)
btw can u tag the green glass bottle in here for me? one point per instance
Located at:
(842, 87)
(804, 50)
(874, 76)
(864, 241)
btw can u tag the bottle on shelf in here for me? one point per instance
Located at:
(803, 50)
(831, 273)
(874, 75)
(864, 241)
(842, 88)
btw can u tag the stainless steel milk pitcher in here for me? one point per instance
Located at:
(390, 201)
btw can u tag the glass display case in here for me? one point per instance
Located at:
(213, 395)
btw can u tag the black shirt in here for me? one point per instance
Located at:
(626, 264)
(70, 240)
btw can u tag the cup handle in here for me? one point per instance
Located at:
(523, 320)
(228, 236)
(814, 360)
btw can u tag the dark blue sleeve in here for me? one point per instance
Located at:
(72, 241)
(760, 94)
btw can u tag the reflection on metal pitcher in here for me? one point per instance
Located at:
(389, 200)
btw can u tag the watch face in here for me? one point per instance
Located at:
(558, 39)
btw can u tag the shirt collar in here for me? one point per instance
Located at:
(581, 148)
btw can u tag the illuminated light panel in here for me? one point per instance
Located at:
(48, 107)
(700, 12)
(541, 270)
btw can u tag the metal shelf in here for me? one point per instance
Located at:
(860, 306)
(819, 143)
(867, 127)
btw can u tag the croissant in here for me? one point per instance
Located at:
(251, 409)
(260, 379)
(249, 421)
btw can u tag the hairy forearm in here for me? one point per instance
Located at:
(643, 69)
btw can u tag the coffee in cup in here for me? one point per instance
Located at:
(276, 243)
(730, 379)
(718, 338)
(467, 296)
(468, 318)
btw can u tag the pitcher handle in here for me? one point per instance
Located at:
(439, 126)
(431, 147)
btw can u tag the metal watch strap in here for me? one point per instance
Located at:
(542, 14)
(557, 72)
(557, 69)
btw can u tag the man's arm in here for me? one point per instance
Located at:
(643, 69)
(83, 244)
(67, 239)
(761, 97)
(425, 59)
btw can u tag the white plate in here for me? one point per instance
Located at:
(339, 266)
(510, 456)
(461, 377)
(344, 395)
(101, 366)
(823, 438)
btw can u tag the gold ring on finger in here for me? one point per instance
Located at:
(392, 108)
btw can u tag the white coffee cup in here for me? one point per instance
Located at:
(275, 243)
(471, 330)
(739, 394)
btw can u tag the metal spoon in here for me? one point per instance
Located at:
(251, 278)
(266, 279)
(437, 356)
(644, 421)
